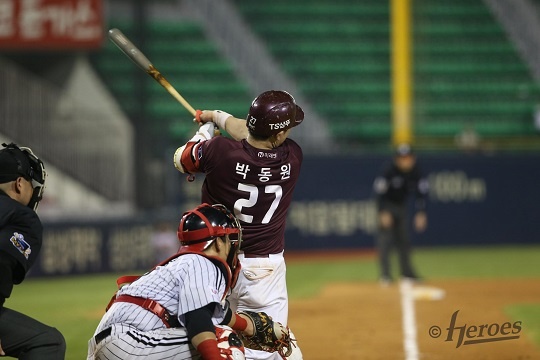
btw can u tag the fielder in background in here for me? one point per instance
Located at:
(22, 180)
(178, 310)
(255, 174)
(398, 182)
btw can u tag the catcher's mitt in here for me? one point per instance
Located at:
(269, 336)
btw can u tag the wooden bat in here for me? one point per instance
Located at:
(131, 51)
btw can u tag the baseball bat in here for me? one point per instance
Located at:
(131, 51)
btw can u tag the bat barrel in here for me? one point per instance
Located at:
(128, 48)
(131, 51)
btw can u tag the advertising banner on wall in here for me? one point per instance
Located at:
(51, 24)
(473, 200)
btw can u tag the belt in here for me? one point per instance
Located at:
(102, 335)
(251, 256)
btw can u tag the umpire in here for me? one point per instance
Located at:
(399, 181)
(22, 180)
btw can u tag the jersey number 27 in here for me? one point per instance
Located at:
(252, 201)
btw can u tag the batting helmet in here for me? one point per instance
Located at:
(201, 226)
(273, 111)
(17, 162)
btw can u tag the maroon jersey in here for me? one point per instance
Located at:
(256, 184)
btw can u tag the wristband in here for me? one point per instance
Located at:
(220, 117)
(240, 323)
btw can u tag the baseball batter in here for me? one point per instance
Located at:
(171, 312)
(255, 174)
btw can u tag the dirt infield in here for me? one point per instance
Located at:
(364, 321)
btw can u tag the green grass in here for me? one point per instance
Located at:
(529, 314)
(75, 304)
(479, 262)
(307, 278)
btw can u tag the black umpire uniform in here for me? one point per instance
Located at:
(21, 336)
(398, 182)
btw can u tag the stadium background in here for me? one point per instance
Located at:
(106, 131)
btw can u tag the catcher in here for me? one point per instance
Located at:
(178, 310)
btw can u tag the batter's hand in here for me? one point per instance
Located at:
(2, 353)
(204, 117)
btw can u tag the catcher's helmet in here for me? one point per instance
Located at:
(17, 162)
(273, 111)
(201, 226)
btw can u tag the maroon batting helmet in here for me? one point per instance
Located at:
(273, 111)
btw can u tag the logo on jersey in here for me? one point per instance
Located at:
(18, 241)
(213, 290)
(199, 153)
(267, 155)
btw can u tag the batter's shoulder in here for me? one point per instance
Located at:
(294, 149)
(293, 144)
(223, 143)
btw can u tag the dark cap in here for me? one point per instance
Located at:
(273, 111)
(18, 162)
(404, 150)
(10, 166)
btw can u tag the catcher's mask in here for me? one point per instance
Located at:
(273, 111)
(17, 162)
(200, 227)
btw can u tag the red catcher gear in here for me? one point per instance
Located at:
(273, 111)
(229, 344)
(197, 230)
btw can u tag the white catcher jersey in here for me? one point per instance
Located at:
(187, 283)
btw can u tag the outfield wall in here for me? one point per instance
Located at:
(474, 200)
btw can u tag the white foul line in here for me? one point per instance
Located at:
(410, 345)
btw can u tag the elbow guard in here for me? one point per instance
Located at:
(185, 159)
